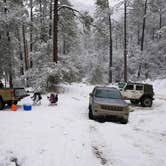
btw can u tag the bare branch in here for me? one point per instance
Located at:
(68, 7)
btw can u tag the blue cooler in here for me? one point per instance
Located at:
(27, 107)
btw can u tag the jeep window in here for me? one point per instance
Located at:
(129, 87)
(105, 93)
(121, 85)
(139, 87)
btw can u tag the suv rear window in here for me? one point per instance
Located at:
(121, 84)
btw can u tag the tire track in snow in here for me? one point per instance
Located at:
(15, 161)
(97, 145)
(99, 155)
(9, 158)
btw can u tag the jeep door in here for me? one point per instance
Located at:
(128, 92)
(139, 91)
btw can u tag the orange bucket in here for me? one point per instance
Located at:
(14, 107)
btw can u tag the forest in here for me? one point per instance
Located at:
(45, 42)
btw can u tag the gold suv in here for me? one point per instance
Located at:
(107, 102)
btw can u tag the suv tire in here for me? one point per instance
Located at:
(90, 113)
(146, 102)
(135, 102)
(1, 104)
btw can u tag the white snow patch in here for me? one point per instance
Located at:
(63, 135)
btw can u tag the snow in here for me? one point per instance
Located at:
(63, 135)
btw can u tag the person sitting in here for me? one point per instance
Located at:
(53, 99)
(36, 98)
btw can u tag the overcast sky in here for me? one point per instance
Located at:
(84, 4)
(88, 2)
(89, 5)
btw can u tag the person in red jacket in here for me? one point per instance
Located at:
(53, 98)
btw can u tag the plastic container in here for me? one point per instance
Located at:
(27, 107)
(14, 107)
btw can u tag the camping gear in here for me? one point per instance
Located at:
(27, 107)
(14, 107)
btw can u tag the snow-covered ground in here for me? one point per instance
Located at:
(63, 135)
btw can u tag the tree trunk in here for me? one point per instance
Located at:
(20, 51)
(55, 32)
(10, 60)
(50, 26)
(64, 46)
(143, 27)
(138, 35)
(116, 42)
(160, 22)
(25, 47)
(160, 26)
(6, 79)
(110, 42)
(143, 36)
(110, 50)
(41, 19)
(125, 41)
(153, 33)
(10, 80)
(31, 33)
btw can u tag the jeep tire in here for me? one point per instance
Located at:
(146, 102)
(134, 101)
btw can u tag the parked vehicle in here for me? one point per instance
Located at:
(137, 93)
(108, 102)
(11, 95)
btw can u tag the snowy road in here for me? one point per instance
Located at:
(63, 135)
